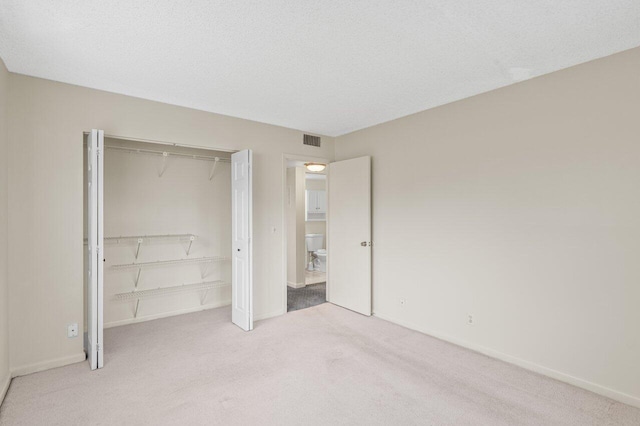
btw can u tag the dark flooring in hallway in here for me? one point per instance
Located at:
(306, 297)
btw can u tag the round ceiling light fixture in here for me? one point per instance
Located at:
(315, 167)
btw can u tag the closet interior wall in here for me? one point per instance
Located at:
(176, 197)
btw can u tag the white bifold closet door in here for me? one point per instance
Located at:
(349, 230)
(241, 235)
(95, 277)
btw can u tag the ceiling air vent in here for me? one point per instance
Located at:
(311, 140)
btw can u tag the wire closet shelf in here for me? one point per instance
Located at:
(139, 239)
(161, 291)
(138, 295)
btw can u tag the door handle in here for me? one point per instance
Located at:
(363, 244)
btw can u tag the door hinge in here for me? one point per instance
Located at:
(98, 348)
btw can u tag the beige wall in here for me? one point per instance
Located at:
(316, 227)
(316, 184)
(46, 121)
(5, 374)
(520, 207)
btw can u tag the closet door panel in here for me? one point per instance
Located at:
(242, 283)
(95, 246)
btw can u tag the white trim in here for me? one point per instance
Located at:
(5, 388)
(283, 215)
(100, 252)
(46, 365)
(295, 285)
(527, 365)
(167, 314)
(250, 258)
(259, 317)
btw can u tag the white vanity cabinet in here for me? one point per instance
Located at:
(316, 202)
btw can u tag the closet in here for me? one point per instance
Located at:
(167, 230)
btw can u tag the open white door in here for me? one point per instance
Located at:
(349, 230)
(241, 235)
(94, 346)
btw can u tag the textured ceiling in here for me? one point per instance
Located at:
(328, 67)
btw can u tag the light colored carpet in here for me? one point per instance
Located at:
(322, 365)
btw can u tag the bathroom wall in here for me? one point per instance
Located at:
(518, 207)
(296, 248)
(316, 227)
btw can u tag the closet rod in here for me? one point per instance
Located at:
(138, 238)
(173, 154)
(159, 142)
(141, 238)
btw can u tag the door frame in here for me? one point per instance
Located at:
(285, 159)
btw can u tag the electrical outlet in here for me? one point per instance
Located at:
(72, 330)
(470, 320)
(403, 301)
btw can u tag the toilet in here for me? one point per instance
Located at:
(314, 245)
(321, 260)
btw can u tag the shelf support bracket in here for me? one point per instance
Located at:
(165, 155)
(135, 314)
(191, 238)
(138, 278)
(138, 249)
(204, 297)
(205, 271)
(213, 168)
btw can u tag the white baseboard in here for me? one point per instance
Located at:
(167, 314)
(271, 314)
(545, 371)
(46, 365)
(295, 285)
(4, 387)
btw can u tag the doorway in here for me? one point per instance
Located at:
(344, 213)
(305, 224)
